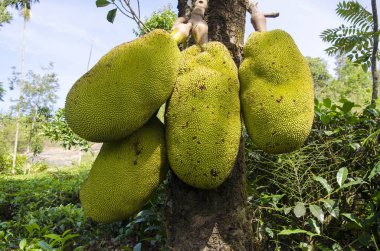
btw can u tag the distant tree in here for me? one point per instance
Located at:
(36, 100)
(161, 19)
(321, 75)
(57, 130)
(2, 91)
(24, 6)
(359, 40)
(350, 82)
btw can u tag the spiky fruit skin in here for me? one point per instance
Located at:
(125, 174)
(277, 94)
(124, 89)
(203, 117)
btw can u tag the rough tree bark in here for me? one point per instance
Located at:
(213, 219)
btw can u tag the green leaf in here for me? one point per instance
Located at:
(53, 236)
(328, 133)
(354, 219)
(332, 207)
(324, 183)
(102, 3)
(375, 171)
(111, 15)
(347, 106)
(287, 210)
(45, 246)
(317, 212)
(325, 119)
(327, 102)
(364, 238)
(22, 244)
(269, 232)
(137, 247)
(299, 209)
(341, 176)
(314, 224)
(358, 181)
(295, 231)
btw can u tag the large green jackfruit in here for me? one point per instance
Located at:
(125, 174)
(276, 92)
(124, 89)
(203, 117)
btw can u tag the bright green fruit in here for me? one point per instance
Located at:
(276, 92)
(203, 117)
(124, 89)
(125, 174)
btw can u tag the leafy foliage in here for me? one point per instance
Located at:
(323, 196)
(42, 212)
(162, 19)
(21, 5)
(321, 75)
(57, 130)
(2, 91)
(354, 40)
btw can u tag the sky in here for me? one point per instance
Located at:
(63, 32)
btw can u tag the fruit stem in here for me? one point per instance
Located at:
(258, 18)
(181, 30)
(200, 26)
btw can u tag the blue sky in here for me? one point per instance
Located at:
(63, 31)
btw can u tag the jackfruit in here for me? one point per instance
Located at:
(203, 116)
(276, 92)
(124, 89)
(125, 174)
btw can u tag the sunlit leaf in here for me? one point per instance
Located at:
(341, 176)
(354, 219)
(299, 209)
(375, 171)
(324, 183)
(315, 225)
(317, 212)
(295, 231)
(332, 207)
(23, 244)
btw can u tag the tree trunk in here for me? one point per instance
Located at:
(213, 219)
(374, 72)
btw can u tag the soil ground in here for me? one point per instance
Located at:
(57, 156)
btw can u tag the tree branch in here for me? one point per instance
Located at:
(258, 18)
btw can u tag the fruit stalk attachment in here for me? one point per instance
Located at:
(200, 26)
(258, 18)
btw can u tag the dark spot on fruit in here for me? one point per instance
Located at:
(202, 87)
(195, 137)
(186, 125)
(193, 109)
(198, 161)
(280, 99)
(223, 140)
(213, 173)
(294, 100)
(135, 162)
(198, 142)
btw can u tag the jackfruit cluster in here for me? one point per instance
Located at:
(124, 89)
(203, 124)
(125, 174)
(276, 92)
